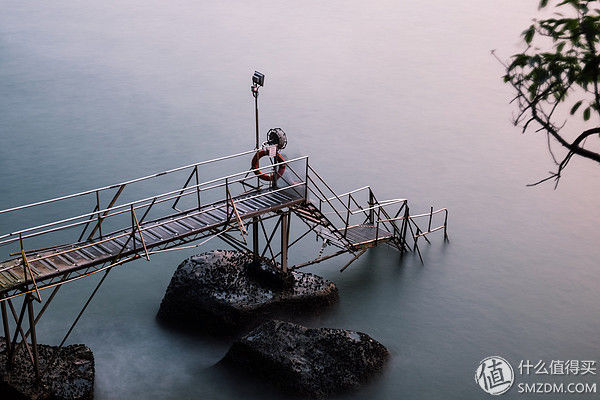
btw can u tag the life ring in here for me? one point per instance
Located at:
(264, 176)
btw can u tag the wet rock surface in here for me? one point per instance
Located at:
(71, 376)
(226, 291)
(307, 362)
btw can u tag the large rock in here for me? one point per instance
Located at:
(71, 376)
(308, 362)
(226, 291)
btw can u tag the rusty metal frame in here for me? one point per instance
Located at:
(343, 208)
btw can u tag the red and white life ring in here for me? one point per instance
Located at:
(262, 175)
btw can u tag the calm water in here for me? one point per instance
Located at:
(400, 95)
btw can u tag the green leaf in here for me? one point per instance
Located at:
(529, 34)
(543, 3)
(576, 106)
(586, 114)
(519, 60)
(560, 47)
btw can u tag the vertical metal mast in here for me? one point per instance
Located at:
(258, 80)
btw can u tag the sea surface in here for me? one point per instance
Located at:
(400, 95)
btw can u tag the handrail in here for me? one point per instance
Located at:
(350, 192)
(420, 233)
(416, 216)
(374, 208)
(124, 211)
(125, 183)
(373, 203)
(94, 213)
(380, 205)
(68, 250)
(320, 191)
(327, 186)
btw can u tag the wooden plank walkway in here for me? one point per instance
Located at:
(64, 259)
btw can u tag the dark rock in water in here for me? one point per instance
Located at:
(269, 276)
(225, 291)
(71, 376)
(308, 362)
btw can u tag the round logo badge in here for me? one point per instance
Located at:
(494, 375)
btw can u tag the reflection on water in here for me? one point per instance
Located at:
(402, 96)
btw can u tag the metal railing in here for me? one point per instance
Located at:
(231, 189)
(389, 216)
(345, 207)
(420, 232)
(342, 211)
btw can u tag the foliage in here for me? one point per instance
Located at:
(560, 71)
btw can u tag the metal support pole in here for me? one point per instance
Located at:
(36, 363)
(6, 331)
(405, 226)
(98, 215)
(112, 203)
(19, 321)
(430, 218)
(57, 351)
(255, 94)
(133, 228)
(446, 226)
(84, 307)
(197, 186)
(255, 237)
(274, 173)
(227, 197)
(352, 260)
(347, 214)
(306, 184)
(285, 237)
(371, 205)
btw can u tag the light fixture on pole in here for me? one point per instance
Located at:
(258, 80)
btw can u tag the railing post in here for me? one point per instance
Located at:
(26, 268)
(446, 225)
(187, 182)
(377, 227)
(255, 237)
(285, 236)
(23, 259)
(347, 216)
(112, 203)
(430, 218)
(98, 215)
(133, 228)
(197, 186)
(306, 182)
(274, 173)
(227, 197)
(405, 223)
(371, 205)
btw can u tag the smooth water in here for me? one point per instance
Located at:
(402, 96)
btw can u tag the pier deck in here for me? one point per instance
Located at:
(68, 258)
(65, 250)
